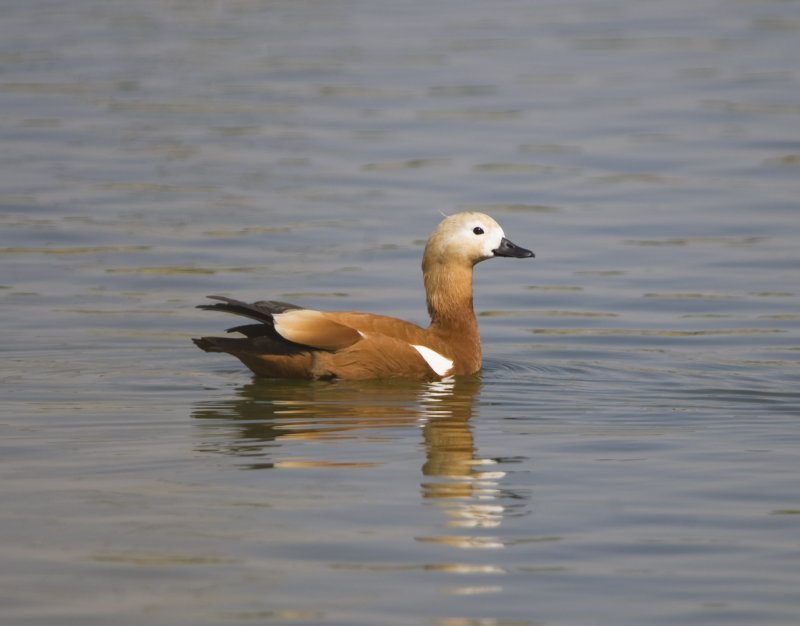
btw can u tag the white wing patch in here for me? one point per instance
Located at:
(438, 363)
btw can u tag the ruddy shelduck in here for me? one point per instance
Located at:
(292, 342)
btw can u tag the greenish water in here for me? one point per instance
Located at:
(629, 454)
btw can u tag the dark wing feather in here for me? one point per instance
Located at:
(260, 338)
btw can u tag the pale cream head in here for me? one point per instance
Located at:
(464, 238)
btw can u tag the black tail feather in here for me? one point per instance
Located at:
(252, 346)
(208, 344)
(261, 311)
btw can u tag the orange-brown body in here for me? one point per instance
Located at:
(292, 342)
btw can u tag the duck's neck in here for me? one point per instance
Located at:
(449, 294)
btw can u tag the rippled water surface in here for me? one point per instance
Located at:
(629, 454)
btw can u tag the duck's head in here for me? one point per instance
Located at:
(469, 238)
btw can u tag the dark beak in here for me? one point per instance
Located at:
(509, 249)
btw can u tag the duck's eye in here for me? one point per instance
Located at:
(477, 230)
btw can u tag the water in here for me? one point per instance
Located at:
(629, 454)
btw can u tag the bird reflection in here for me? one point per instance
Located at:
(267, 414)
(455, 476)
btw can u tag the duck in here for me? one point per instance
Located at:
(292, 342)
